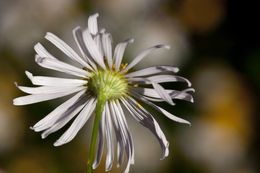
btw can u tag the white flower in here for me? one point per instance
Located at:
(102, 72)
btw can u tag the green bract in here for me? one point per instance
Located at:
(108, 84)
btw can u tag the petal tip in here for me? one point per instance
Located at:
(76, 28)
(15, 102)
(167, 47)
(102, 31)
(95, 15)
(36, 45)
(130, 40)
(57, 144)
(43, 136)
(39, 59)
(165, 154)
(177, 70)
(28, 74)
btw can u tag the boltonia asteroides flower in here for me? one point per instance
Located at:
(102, 74)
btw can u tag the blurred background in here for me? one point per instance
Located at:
(215, 43)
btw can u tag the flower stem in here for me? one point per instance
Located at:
(99, 109)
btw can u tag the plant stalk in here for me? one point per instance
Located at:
(99, 110)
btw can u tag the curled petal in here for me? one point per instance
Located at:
(161, 110)
(147, 120)
(152, 95)
(164, 95)
(159, 79)
(169, 78)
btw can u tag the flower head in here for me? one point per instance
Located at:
(101, 73)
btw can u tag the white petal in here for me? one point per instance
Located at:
(78, 123)
(101, 136)
(60, 66)
(66, 49)
(109, 139)
(129, 147)
(159, 79)
(169, 78)
(93, 49)
(142, 55)
(152, 70)
(159, 109)
(78, 37)
(54, 81)
(48, 89)
(57, 113)
(172, 117)
(164, 95)
(118, 117)
(149, 122)
(119, 135)
(30, 99)
(183, 95)
(125, 134)
(119, 52)
(66, 117)
(92, 23)
(40, 50)
(107, 46)
(98, 42)
(102, 30)
(148, 91)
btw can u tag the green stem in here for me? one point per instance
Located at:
(99, 109)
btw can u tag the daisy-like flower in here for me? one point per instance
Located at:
(105, 88)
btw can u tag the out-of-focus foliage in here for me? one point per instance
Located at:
(214, 42)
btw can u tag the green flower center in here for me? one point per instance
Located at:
(107, 84)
